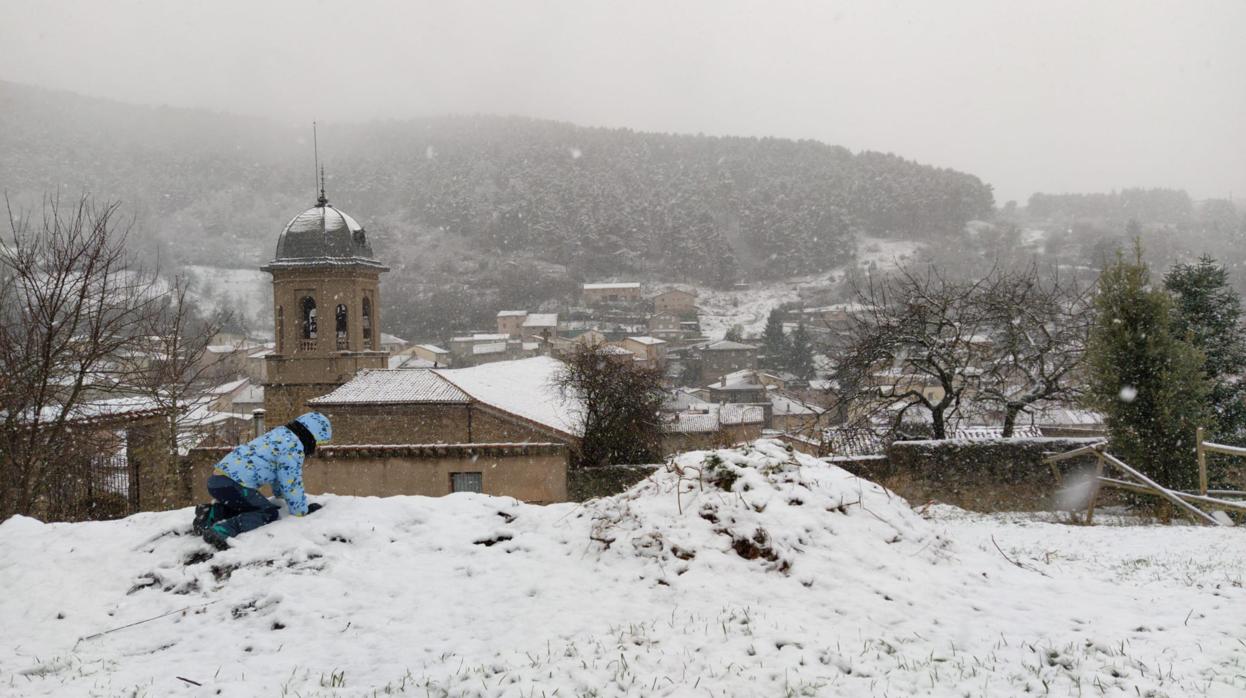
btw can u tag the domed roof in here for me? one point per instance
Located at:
(323, 235)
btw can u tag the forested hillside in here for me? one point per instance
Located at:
(215, 189)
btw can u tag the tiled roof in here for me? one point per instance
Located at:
(394, 387)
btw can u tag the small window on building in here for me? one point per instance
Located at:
(281, 330)
(466, 482)
(367, 323)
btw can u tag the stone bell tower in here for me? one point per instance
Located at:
(326, 309)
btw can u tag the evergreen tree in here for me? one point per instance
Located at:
(773, 341)
(1147, 382)
(1207, 313)
(800, 354)
(735, 333)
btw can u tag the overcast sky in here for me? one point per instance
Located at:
(1040, 96)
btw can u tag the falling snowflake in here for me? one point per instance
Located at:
(1128, 393)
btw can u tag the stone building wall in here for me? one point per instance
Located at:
(534, 473)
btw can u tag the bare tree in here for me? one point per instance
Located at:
(916, 343)
(69, 304)
(170, 368)
(1039, 325)
(620, 404)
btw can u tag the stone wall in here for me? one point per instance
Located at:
(534, 473)
(679, 442)
(995, 475)
(586, 483)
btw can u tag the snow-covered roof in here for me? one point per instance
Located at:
(711, 417)
(732, 414)
(726, 345)
(119, 408)
(489, 348)
(613, 286)
(251, 394)
(261, 353)
(693, 421)
(512, 313)
(393, 387)
(541, 320)
(481, 337)
(988, 433)
(408, 361)
(432, 348)
(613, 350)
(524, 388)
(744, 379)
(680, 400)
(1067, 416)
(785, 404)
(387, 338)
(226, 388)
(647, 340)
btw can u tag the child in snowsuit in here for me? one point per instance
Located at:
(274, 459)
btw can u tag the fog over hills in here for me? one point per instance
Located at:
(470, 210)
(594, 200)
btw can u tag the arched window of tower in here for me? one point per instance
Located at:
(309, 324)
(342, 328)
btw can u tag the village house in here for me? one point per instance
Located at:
(240, 396)
(745, 386)
(510, 322)
(665, 326)
(512, 402)
(791, 415)
(676, 302)
(615, 292)
(719, 358)
(256, 366)
(431, 352)
(651, 351)
(709, 425)
(540, 326)
(393, 344)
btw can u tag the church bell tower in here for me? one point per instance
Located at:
(326, 309)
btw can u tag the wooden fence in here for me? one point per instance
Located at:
(1135, 481)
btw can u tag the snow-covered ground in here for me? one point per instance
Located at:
(745, 572)
(245, 291)
(720, 310)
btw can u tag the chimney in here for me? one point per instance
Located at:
(257, 420)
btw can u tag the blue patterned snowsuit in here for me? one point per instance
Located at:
(274, 459)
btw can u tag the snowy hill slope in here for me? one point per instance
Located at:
(748, 571)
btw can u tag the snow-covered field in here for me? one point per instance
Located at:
(745, 572)
(245, 291)
(720, 310)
